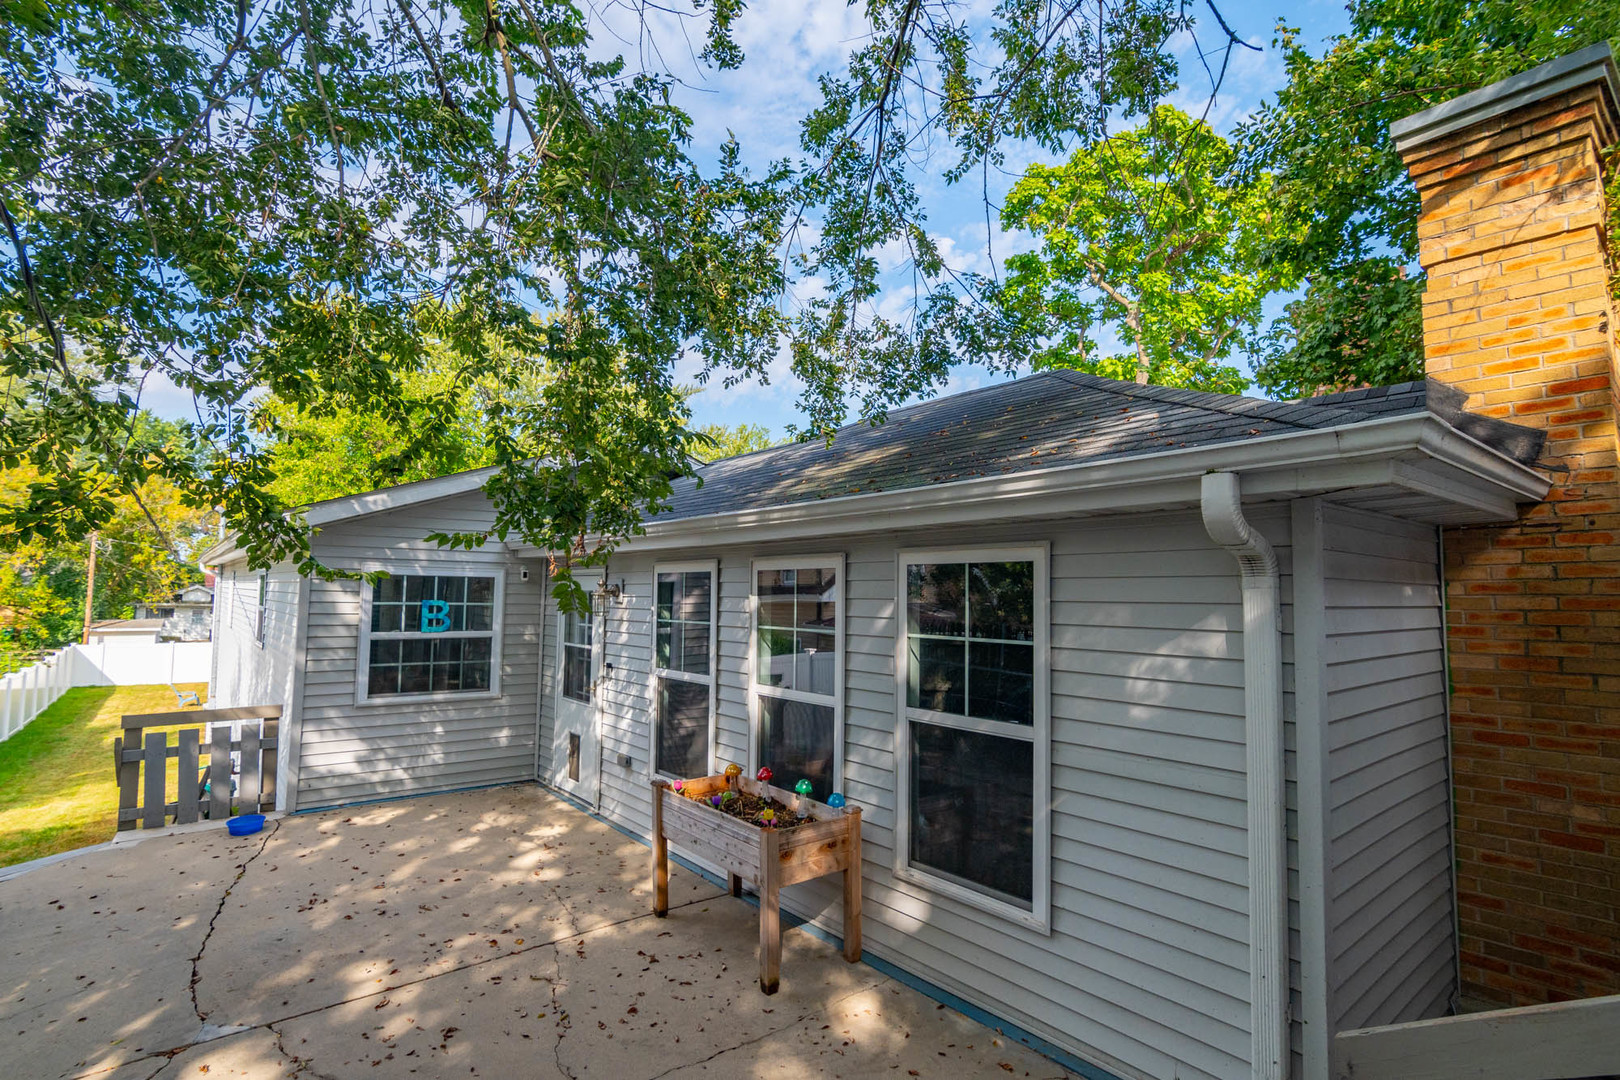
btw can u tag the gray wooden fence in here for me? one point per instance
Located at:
(1538, 1042)
(141, 759)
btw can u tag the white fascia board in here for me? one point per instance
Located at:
(222, 551)
(369, 502)
(394, 498)
(1275, 466)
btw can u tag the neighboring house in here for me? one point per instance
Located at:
(188, 616)
(1073, 645)
(124, 631)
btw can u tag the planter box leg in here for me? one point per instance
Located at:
(660, 854)
(770, 913)
(736, 884)
(852, 896)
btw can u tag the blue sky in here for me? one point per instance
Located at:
(789, 43)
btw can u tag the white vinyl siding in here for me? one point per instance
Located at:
(1145, 969)
(1390, 931)
(351, 752)
(250, 668)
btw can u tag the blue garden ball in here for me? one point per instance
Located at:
(835, 800)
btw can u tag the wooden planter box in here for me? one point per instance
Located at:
(766, 858)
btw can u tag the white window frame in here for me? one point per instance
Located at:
(712, 681)
(1039, 915)
(798, 562)
(362, 660)
(593, 667)
(263, 612)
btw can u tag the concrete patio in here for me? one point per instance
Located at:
(495, 933)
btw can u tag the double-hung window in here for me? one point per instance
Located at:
(683, 668)
(974, 717)
(430, 635)
(798, 672)
(577, 631)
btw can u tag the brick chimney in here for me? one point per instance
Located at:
(1518, 314)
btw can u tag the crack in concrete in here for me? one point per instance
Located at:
(558, 1016)
(269, 1025)
(196, 961)
(789, 1026)
(301, 1066)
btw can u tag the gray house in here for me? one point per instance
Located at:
(1142, 691)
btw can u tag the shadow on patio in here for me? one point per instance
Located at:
(494, 933)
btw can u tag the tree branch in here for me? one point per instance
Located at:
(449, 100)
(320, 88)
(512, 98)
(1133, 319)
(58, 348)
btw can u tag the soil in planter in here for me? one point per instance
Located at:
(748, 808)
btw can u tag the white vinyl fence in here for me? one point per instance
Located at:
(26, 693)
(134, 663)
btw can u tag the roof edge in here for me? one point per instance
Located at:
(376, 501)
(1282, 455)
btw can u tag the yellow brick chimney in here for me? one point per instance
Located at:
(1518, 314)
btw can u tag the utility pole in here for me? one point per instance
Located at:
(90, 590)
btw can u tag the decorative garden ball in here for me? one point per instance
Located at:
(802, 787)
(764, 775)
(835, 800)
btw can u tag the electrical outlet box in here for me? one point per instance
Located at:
(624, 761)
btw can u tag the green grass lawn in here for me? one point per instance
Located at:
(57, 790)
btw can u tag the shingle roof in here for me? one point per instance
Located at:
(1046, 420)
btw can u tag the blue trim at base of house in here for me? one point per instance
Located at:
(1083, 1069)
(410, 795)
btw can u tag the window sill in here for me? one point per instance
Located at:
(1039, 921)
(420, 699)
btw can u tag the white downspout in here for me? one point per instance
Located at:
(1263, 705)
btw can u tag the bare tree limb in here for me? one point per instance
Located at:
(1133, 319)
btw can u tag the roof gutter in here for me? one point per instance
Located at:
(1222, 504)
(1273, 466)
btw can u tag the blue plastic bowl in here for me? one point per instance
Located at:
(245, 824)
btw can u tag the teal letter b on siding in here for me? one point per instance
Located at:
(435, 616)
